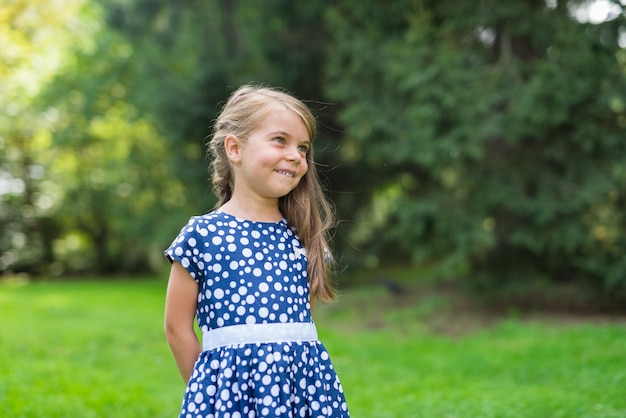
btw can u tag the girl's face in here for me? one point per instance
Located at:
(273, 160)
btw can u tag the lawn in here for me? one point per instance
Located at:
(96, 349)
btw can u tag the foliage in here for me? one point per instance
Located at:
(32, 52)
(132, 105)
(483, 138)
(505, 137)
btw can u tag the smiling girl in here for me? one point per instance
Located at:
(250, 270)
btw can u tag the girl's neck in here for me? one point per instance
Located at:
(252, 210)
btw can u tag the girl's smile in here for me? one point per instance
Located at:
(287, 173)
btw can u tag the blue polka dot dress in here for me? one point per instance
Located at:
(261, 356)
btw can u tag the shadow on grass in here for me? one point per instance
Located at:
(407, 299)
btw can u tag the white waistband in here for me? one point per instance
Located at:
(258, 333)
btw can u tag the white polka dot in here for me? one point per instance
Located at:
(225, 395)
(263, 287)
(216, 240)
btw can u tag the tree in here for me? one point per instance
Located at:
(33, 37)
(503, 126)
(109, 163)
(132, 105)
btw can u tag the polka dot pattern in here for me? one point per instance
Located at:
(253, 273)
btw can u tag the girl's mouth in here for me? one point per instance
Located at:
(286, 173)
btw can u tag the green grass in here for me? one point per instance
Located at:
(85, 350)
(96, 349)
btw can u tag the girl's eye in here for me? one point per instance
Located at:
(303, 148)
(279, 139)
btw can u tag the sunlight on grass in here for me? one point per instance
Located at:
(86, 350)
(96, 349)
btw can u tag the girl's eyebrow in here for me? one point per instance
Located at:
(283, 133)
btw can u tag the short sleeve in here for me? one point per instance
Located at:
(187, 249)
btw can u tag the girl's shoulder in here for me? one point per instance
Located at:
(215, 217)
(220, 218)
(217, 223)
(210, 217)
(202, 224)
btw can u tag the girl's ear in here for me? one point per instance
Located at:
(232, 146)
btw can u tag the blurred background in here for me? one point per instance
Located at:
(481, 141)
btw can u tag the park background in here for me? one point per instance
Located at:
(475, 152)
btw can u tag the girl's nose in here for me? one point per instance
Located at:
(293, 154)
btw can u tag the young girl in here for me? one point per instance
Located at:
(250, 270)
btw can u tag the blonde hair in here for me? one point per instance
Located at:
(305, 208)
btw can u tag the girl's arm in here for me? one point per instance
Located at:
(180, 310)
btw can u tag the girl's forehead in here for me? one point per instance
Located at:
(283, 118)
